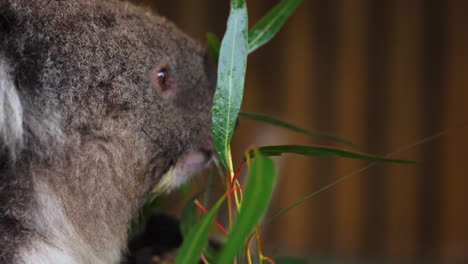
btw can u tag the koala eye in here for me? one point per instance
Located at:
(162, 77)
(162, 81)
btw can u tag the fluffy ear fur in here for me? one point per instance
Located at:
(11, 113)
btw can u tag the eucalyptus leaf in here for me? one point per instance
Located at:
(232, 66)
(197, 238)
(145, 212)
(280, 123)
(213, 45)
(257, 195)
(189, 215)
(271, 23)
(211, 252)
(290, 260)
(323, 151)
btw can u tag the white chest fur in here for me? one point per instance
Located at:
(58, 241)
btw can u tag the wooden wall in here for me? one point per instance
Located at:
(385, 74)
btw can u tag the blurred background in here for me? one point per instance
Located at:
(389, 75)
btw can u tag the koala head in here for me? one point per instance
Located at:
(101, 103)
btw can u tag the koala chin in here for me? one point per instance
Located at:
(101, 104)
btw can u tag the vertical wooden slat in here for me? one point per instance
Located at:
(324, 86)
(377, 129)
(193, 18)
(454, 179)
(164, 8)
(402, 182)
(266, 76)
(297, 181)
(431, 116)
(349, 122)
(266, 67)
(217, 14)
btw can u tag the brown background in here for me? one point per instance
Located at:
(384, 74)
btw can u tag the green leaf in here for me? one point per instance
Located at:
(322, 151)
(270, 24)
(197, 238)
(290, 260)
(213, 45)
(257, 195)
(211, 253)
(189, 215)
(280, 123)
(232, 66)
(263, 31)
(145, 212)
(186, 189)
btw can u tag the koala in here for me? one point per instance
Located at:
(102, 104)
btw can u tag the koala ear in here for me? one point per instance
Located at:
(11, 113)
(162, 80)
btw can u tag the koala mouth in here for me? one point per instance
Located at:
(185, 167)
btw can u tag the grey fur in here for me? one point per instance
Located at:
(83, 131)
(11, 112)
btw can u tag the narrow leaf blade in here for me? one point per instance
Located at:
(211, 252)
(145, 212)
(271, 23)
(213, 45)
(257, 195)
(322, 151)
(197, 238)
(232, 66)
(189, 215)
(280, 123)
(290, 260)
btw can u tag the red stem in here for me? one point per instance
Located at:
(269, 260)
(236, 175)
(206, 211)
(204, 260)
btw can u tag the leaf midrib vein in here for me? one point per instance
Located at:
(226, 139)
(269, 26)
